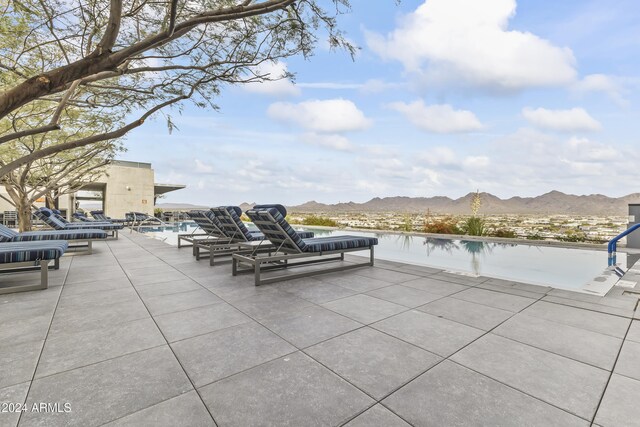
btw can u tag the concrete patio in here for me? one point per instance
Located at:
(139, 333)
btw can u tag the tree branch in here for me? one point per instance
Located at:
(86, 141)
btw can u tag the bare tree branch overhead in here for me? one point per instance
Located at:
(128, 58)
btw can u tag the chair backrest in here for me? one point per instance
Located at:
(270, 219)
(49, 218)
(99, 215)
(207, 221)
(7, 234)
(58, 215)
(232, 225)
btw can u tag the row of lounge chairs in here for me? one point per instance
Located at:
(276, 245)
(36, 249)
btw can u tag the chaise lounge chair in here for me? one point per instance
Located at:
(237, 232)
(212, 235)
(75, 236)
(288, 245)
(48, 216)
(100, 216)
(25, 256)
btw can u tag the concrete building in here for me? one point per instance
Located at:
(125, 187)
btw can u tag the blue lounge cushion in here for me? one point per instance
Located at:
(32, 251)
(84, 234)
(335, 243)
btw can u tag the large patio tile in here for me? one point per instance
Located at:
(440, 336)
(585, 346)
(619, 405)
(208, 358)
(435, 286)
(70, 349)
(87, 275)
(157, 278)
(73, 318)
(162, 304)
(18, 361)
(471, 314)
(96, 299)
(312, 395)
(378, 415)
(197, 321)
(168, 288)
(353, 281)
(580, 318)
(95, 286)
(270, 304)
(310, 326)
(634, 331)
(463, 279)
(321, 292)
(373, 361)
(364, 309)
(385, 275)
(184, 410)
(628, 363)
(24, 330)
(451, 395)
(13, 394)
(500, 300)
(403, 295)
(565, 383)
(108, 390)
(510, 290)
(625, 312)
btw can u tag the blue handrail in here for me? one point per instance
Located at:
(612, 246)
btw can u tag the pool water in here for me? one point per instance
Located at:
(558, 267)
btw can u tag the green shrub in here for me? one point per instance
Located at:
(447, 225)
(503, 232)
(407, 224)
(535, 236)
(475, 226)
(319, 220)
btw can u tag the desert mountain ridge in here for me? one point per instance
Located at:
(553, 202)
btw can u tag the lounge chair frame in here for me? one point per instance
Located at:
(253, 262)
(42, 265)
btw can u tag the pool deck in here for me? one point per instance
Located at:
(139, 333)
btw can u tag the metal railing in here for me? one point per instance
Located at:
(613, 244)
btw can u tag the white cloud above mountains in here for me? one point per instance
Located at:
(322, 116)
(468, 43)
(441, 118)
(572, 120)
(608, 85)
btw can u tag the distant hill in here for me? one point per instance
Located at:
(554, 202)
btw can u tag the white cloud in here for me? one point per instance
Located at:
(275, 81)
(440, 156)
(573, 120)
(608, 85)
(326, 116)
(438, 118)
(202, 167)
(476, 162)
(588, 151)
(333, 141)
(468, 42)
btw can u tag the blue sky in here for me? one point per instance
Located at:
(445, 97)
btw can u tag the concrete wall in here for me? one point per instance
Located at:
(129, 186)
(128, 189)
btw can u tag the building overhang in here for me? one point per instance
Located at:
(159, 189)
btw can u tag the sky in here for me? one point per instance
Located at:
(445, 97)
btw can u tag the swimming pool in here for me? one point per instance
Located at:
(558, 267)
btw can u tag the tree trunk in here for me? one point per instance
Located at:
(24, 214)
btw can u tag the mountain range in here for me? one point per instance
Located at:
(554, 202)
